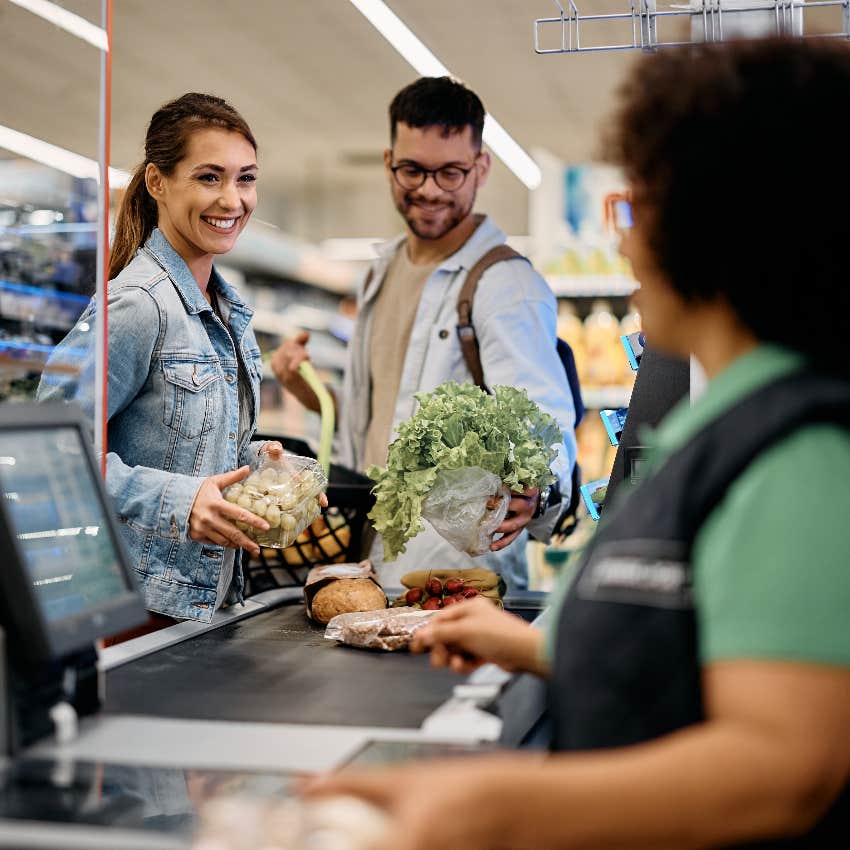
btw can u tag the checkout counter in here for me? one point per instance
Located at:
(119, 749)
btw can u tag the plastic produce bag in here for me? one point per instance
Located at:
(389, 629)
(285, 493)
(457, 507)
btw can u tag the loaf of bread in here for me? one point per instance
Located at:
(345, 596)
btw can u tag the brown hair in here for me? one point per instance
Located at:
(165, 145)
(732, 148)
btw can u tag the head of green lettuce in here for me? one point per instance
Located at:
(456, 426)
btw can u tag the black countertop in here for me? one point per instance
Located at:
(276, 667)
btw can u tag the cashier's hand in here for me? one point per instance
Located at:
(476, 632)
(520, 511)
(212, 516)
(439, 805)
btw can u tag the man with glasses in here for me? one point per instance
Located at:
(404, 340)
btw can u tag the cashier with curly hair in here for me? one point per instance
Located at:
(699, 664)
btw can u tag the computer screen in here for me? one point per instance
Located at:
(61, 547)
(57, 516)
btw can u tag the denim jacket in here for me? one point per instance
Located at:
(173, 416)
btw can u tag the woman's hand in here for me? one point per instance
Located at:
(475, 632)
(212, 516)
(520, 513)
(273, 449)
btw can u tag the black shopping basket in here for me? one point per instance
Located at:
(342, 534)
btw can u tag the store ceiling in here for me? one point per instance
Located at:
(312, 77)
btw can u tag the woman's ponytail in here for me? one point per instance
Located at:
(136, 219)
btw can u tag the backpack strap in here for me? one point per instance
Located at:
(465, 331)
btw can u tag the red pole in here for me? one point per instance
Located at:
(107, 119)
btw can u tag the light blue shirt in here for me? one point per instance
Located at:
(515, 320)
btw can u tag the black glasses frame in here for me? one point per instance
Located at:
(433, 172)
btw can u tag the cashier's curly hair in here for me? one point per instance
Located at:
(733, 150)
(165, 145)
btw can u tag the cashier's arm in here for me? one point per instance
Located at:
(770, 757)
(768, 760)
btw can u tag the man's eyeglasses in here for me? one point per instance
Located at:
(411, 175)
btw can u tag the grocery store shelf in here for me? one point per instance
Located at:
(32, 356)
(583, 285)
(597, 398)
(46, 308)
(24, 289)
(265, 249)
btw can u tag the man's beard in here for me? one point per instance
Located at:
(456, 214)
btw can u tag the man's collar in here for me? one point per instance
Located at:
(466, 256)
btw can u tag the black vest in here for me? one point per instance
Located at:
(626, 666)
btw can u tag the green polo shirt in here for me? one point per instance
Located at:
(772, 561)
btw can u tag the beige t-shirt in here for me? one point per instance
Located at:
(394, 313)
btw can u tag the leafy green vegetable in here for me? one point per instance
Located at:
(455, 426)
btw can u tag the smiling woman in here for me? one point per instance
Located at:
(184, 366)
(208, 198)
(199, 153)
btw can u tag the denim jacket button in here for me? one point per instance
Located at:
(443, 334)
(228, 378)
(231, 436)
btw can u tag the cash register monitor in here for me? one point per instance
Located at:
(65, 580)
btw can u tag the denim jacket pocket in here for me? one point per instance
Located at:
(190, 396)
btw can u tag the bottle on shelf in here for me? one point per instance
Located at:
(571, 330)
(602, 344)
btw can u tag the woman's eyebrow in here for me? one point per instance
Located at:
(211, 166)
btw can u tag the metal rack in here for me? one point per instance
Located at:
(707, 17)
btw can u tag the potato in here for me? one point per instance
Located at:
(273, 516)
(245, 501)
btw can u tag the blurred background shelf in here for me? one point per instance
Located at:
(597, 398)
(591, 285)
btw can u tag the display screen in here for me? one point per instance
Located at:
(391, 752)
(57, 516)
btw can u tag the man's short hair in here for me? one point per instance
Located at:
(438, 102)
(734, 150)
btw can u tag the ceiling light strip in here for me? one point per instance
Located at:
(68, 21)
(409, 46)
(58, 158)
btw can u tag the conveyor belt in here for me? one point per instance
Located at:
(277, 667)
